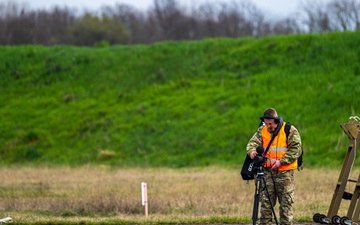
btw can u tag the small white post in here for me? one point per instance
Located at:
(144, 197)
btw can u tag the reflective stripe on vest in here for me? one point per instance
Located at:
(278, 148)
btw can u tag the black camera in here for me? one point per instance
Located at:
(259, 158)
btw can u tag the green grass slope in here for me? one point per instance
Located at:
(175, 104)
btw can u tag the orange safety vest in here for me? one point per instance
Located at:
(277, 149)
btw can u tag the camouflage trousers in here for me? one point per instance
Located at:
(280, 185)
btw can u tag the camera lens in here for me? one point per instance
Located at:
(258, 159)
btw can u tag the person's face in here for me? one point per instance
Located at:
(270, 124)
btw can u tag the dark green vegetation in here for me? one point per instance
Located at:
(175, 104)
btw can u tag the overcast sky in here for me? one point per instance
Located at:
(281, 7)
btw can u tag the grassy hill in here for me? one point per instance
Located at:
(175, 104)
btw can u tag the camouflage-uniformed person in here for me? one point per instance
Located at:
(279, 167)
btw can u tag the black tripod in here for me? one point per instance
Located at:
(261, 185)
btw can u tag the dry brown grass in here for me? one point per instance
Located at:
(103, 194)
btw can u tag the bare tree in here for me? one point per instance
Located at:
(256, 21)
(233, 21)
(207, 19)
(286, 26)
(52, 27)
(12, 9)
(170, 19)
(345, 14)
(12, 14)
(315, 16)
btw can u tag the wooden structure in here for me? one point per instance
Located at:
(352, 129)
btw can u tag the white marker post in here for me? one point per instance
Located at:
(144, 197)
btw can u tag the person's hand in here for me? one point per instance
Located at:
(253, 154)
(276, 165)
